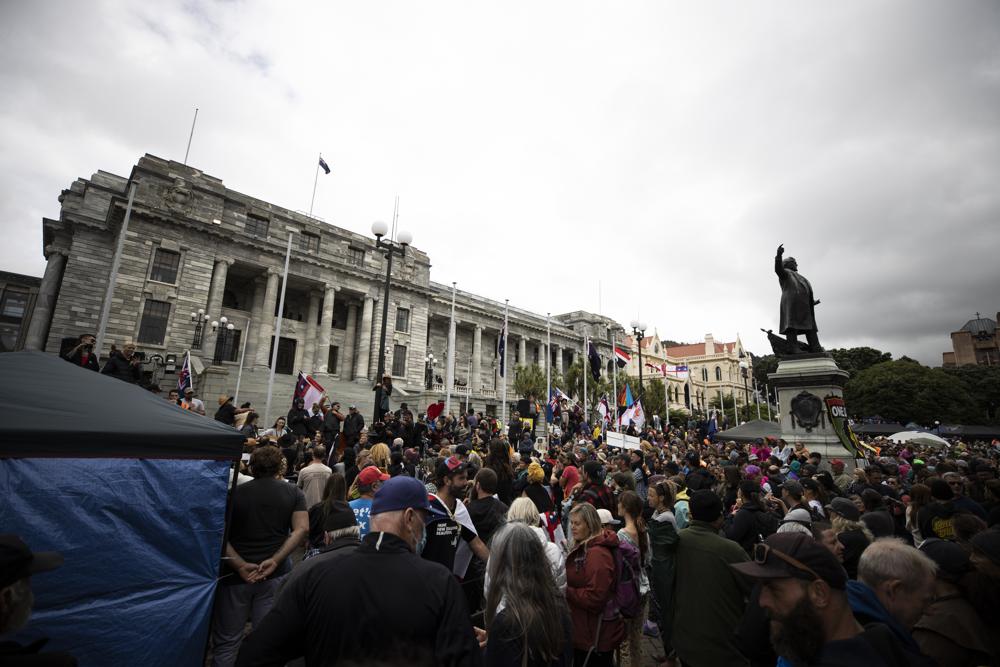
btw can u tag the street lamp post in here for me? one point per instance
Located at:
(639, 330)
(389, 248)
(429, 370)
(200, 319)
(224, 340)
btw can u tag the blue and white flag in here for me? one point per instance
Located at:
(184, 376)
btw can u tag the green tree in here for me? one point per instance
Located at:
(983, 385)
(530, 380)
(906, 391)
(762, 367)
(573, 385)
(856, 359)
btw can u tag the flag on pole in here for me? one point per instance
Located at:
(634, 415)
(308, 390)
(679, 371)
(552, 409)
(324, 166)
(604, 409)
(625, 399)
(184, 377)
(622, 357)
(502, 349)
(595, 362)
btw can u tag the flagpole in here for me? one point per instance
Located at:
(503, 362)
(614, 374)
(468, 386)
(586, 362)
(315, 183)
(767, 399)
(116, 262)
(450, 370)
(277, 331)
(190, 136)
(548, 370)
(243, 354)
(756, 397)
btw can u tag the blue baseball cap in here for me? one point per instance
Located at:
(400, 493)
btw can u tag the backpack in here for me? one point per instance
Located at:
(765, 524)
(625, 599)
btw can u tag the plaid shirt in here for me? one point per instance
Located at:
(598, 495)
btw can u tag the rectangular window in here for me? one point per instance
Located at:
(256, 226)
(403, 320)
(308, 242)
(165, 264)
(153, 326)
(13, 306)
(331, 362)
(399, 360)
(356, 257)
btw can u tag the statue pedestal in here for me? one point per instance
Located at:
(810, 390)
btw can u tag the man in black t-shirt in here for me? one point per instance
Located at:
(269, 519)
(449, 520)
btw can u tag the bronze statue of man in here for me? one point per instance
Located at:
(798, 315)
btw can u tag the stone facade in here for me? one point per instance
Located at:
(18, 296)
(976, 343)
(713, 371)
(196, 251)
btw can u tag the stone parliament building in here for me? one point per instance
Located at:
(194, 246)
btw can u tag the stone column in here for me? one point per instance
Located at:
(364, 346)
(323, 347)
(376, 333)
(477, 359)
(559, 359)
(346, 360)
(41, 316)
(312, 358)
(522, 351)
(256, 319)
(214, 308)
(266, 326)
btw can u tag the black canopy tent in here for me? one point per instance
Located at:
(50, 408)
(132, 491)
(752, 430)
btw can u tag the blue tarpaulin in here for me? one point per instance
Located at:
(139, 519)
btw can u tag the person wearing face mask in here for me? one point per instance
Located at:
(316, 615)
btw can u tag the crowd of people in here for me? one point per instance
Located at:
(434, 539)
(454, 540)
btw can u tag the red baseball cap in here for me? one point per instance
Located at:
(370, 475)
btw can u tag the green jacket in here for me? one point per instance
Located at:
(663, 540)
(709, 598)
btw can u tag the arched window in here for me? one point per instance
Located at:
(704, 375)
(718, 374)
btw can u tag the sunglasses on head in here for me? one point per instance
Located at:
(761, 551)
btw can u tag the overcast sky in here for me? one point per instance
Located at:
(660, 149)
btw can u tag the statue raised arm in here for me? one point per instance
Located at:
(798, 314)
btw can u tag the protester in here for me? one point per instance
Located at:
(663, 541)
(524, 511)
(853, 534)
(752, 521)
(590, 582)
(125, 365)
(527, 619)
(895, 586)
(334, 491)
(269, 520)
(703, 633)
(634, 532)
(312, 478)
(413, 609)
(367, 483)
(449, 522)
(83, 354)
(17, 565)
(811, 623)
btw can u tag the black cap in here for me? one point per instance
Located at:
(799, 547)
(18, 561)
(705, 505)
(845, 508)
(952, 560)
(940, 490)
(339, 515)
